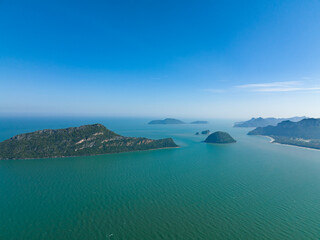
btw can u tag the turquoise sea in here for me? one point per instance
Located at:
(249, 190)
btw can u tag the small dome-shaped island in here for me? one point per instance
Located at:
(219, 137)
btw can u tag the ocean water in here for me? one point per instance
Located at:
(249, 190)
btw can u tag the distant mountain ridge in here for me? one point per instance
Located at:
(263, 122)
(305, 133)
(306, 128)
(75, 141)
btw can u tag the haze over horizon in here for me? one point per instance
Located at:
(214, 59)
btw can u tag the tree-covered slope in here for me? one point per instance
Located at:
(305, 133)
(75, 141)
(219, 137)
(306, 128)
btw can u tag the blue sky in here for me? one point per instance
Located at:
(195, 59)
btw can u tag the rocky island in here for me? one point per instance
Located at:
(305, 133)
(75, 141)
(205, 132)
(263, 122)
(219, 137)
(167, 121)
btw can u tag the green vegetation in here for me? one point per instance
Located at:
(167, 121)
(311, 143)
(219, 137)
(305, 133)
(76, 141)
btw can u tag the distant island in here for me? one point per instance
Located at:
(305, 133)
(263, 122)
(175, 121)
(75, 141)
(220, 137)
(199, 122)
(205, 132)
(167, 121)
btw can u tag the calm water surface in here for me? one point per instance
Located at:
(248, 190)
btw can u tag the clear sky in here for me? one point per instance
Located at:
(195, 59)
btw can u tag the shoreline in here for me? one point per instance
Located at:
(270, 138)
(152, 149)
(289, 145)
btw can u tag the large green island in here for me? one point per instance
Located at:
(75, 141)
(305, 133)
